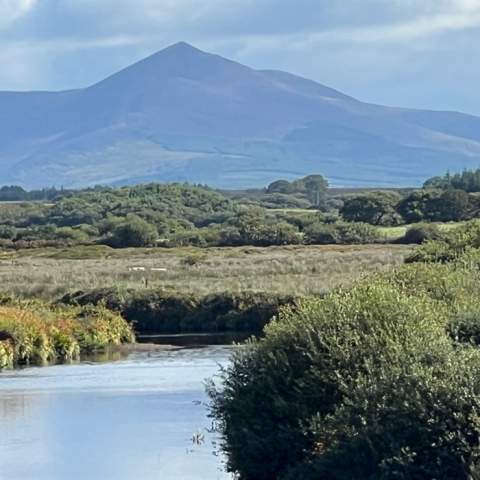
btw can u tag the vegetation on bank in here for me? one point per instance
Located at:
(303, 211)
(191, 289)
(158, 312)
(38, 333)
(379, 380)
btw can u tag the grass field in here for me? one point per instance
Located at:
(49, 273)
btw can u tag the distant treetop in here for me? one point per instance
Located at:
(314, 186)
(468, 181)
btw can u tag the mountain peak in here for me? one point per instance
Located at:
(179, 50)
(186, 114)
(180, 60)
(182, 47)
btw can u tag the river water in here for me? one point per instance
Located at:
(124, 420)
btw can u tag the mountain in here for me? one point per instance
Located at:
(186, 115)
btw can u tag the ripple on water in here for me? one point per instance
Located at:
(132, 419)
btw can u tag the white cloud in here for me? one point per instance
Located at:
(436, 18)
(361, 46)
(164, 13)
(10, 10)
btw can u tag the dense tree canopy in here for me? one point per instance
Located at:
(468, 181)
(377, 208)
(314, 187)
(302, 210)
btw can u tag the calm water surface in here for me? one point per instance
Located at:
(131, 419)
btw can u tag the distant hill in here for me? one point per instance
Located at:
(186, 115)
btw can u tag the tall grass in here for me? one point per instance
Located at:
(36, 333)
(301, 270)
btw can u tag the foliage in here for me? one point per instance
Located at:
(38, 333)
(14, 193)
(155, 311)
(421, 232)
(313, 186)
(453, 245)
(341, 233)
(465, 327)
(344, 387)
(285, 213)
(377, 208)
(468, 181)
(437, 206)
(133, 232)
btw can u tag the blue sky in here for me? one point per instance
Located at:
(413, 53)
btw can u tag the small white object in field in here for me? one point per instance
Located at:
(154, 269)
(136, 269)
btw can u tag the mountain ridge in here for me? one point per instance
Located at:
(182, 114)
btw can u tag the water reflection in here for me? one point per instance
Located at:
(133, 419)
(196, 340)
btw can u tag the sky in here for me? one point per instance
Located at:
(410, 53)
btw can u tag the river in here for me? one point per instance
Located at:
(129, 419)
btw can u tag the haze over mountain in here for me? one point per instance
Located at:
(186, 115)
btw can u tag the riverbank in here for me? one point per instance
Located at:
(153, 312)
(191, 290)
(39, 333)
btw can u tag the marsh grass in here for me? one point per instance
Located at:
(36, 333)
(300, 270)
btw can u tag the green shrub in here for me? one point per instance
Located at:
(259, 233)
(74, 235)
(402, 422)
(134, 232)
(454, 244)
(7, 232)
(363, 384)
(341, 233)
(320, 234)
(421, 233)
(375, 208)
(433, 251)
(465, 327)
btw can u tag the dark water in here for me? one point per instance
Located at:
(196, 339)
(131, 419)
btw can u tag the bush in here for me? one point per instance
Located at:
(7, 232)
(465, 327)
(260, 235)
(421, 233)
(134, 232)
(404, 422)
(341, 233)
(454, 244)
(345, 388)
(375, 208)
(68, 233)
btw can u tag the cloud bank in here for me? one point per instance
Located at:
(406, 52)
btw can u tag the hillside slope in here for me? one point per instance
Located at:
(183, 114)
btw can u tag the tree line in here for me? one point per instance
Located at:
(182, 214)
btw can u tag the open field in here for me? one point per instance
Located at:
(49, 273)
